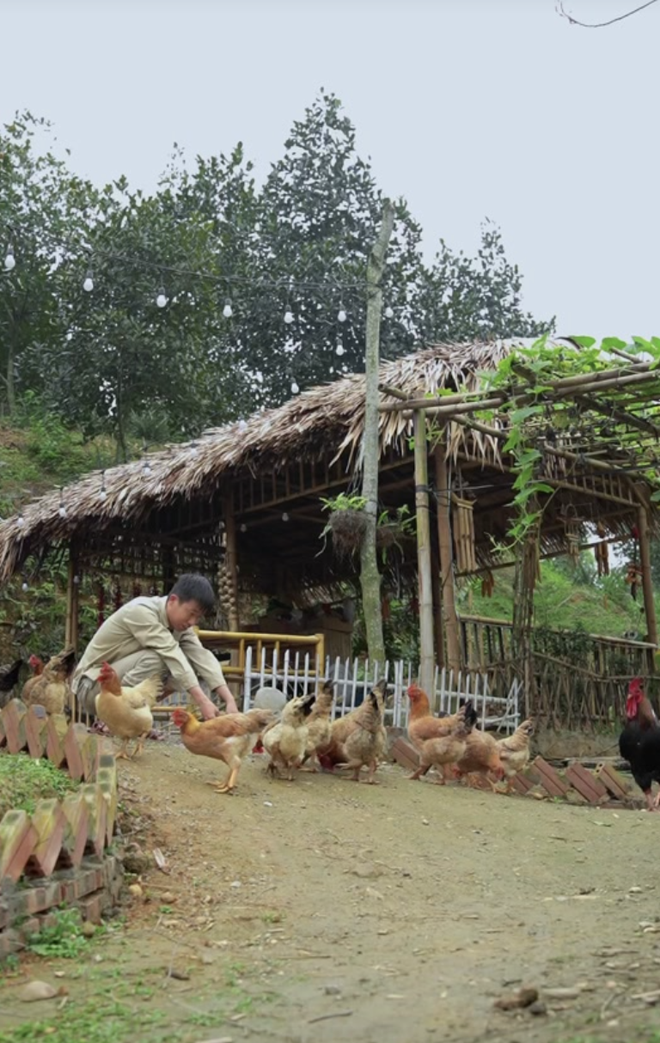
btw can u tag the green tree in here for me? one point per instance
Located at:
(43, 217)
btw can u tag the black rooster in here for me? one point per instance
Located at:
(639, 742)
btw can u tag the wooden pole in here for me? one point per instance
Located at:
(72, 591)
(449, 615)
(647, 581)
(426, 651)
(231, 559)
(438, 626)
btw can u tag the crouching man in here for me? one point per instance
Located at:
(155, 635)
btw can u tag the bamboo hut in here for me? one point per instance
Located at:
(246, 498)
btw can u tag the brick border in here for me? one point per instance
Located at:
(58, 855)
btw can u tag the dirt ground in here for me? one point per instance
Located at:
(397, 913)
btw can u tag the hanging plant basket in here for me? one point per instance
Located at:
(347, 529)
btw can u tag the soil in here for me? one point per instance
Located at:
(397, 913)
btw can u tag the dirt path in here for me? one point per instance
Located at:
(396, 913)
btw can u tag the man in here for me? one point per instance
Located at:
(150, 636)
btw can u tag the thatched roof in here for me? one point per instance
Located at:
(323, 419)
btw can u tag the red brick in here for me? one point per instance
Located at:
(35, 731)
(614, 783)
(405, 754)
(13, 717)
(49, 821)
(586, 784)
(91, 908)
(76, 813)
(55, 732)
(17, 841)
(549, 779)
(521, 784)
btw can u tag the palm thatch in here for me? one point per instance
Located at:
(321, 423)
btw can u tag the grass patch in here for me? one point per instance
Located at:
(24, 781)
(63, 938)
(95, 1021)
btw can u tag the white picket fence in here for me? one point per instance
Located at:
(298, 673)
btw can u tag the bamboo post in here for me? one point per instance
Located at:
(426, 651)
(72, 589)
(437, 610)
(647, 581)
(449, 616)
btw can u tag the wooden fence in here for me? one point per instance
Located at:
(581, 679)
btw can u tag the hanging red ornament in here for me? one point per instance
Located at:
(634, 532)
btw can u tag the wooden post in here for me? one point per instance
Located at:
(370, 578)
(647, 581)
(438, 627)
(72, 590)
(426, 652)
(231, 559)
(449, 615)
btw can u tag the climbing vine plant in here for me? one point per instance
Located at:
(594, 406)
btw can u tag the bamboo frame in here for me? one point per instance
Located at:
(424, 570)
(449, 616)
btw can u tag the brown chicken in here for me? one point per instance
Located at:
(126, 711)
(334, 754)
(319, 726)
(227, 738)
(422, 725)
(286, 740)
(51, 688)
(481, 756)
(365, 746)
(446, 750)
(514, 751)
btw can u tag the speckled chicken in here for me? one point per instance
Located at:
(286, 740)
(51, 688)
(445, 750)
(514, 751)
(366, 743)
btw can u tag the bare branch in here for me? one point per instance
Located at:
(600, 25)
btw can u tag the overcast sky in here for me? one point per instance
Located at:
(468, 108)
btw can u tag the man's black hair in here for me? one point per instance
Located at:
(192, 587)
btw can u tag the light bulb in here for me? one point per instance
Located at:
(76, 580)
(88, 284)
(161, 299)
(193, 449)
(242, 425)
(285, 517)
(146, 468)
(288, 317)
(24, 587)
(103, 496)
(62, 511)
(20, 521)
(10, 260)
(340, 349)
(341, 315)
(243, 527)
(226, 311)
(389, 312)
(294, 388)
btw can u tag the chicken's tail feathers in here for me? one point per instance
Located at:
(470, 715)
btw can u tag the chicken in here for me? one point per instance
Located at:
(514, 751)
(126, 711)
(8, 679)
(445, 750)
(226, 738)
(319, 725)
(286, 740)
(9, 675)
(51, 688)
(366, 744)
(37, 666)
(422, 725)
(334, 753)
(639, 742)
(481, 756)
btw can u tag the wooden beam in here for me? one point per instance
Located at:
(449, 617)
(425, 583)
(647, 580)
